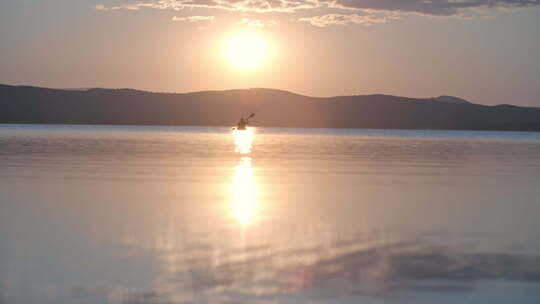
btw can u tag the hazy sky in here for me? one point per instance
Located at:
(486, 51)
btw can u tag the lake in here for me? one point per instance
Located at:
(129, 214)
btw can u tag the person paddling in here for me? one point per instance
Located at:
(242, 124)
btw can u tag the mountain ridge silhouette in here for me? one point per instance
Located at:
(274, 108)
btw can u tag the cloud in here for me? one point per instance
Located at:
(343, 19)
(255, 22)
(431, 7)
(258, 6)
(333, 11)
(194, 18)
(133, 5)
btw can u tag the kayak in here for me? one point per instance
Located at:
(242, 124)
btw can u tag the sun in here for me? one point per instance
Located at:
(246, 50)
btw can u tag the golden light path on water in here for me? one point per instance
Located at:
(243, 140)
(244, 187)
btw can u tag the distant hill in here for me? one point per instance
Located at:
(453, 99)
(276, 108)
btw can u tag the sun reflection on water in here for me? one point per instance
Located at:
(244, 194)
(243, 140)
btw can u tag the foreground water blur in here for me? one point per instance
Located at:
(102, 214)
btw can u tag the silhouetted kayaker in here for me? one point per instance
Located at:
(242, 124)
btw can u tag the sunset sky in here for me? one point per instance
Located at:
(482, 50)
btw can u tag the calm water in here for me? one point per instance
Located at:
(101, 214)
